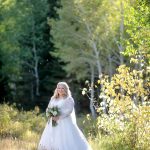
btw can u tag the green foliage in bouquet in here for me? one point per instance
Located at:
(53, 112)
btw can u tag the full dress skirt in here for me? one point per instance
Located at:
(65, 135)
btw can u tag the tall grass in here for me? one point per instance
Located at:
(109, 133)
(20, 130)
(12, 144)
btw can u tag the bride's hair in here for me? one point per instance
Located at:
(66, 89)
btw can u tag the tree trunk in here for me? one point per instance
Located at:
(92, 93)
(141, 65)
(121, 49)
(95, 51)
(32, 92)
(99, 67)
(36, 73)
(110, 65)
(36, 61)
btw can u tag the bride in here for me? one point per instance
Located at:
(65, 135)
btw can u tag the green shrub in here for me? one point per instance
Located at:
(127, 124)
(24, 125)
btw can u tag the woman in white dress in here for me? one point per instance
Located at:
(65, 135)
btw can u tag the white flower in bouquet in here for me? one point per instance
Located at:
(53, 112)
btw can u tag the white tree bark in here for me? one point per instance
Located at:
(110, 65)
(93, 44)
(95, 50)
(36, 61)
(36, 72)
(121, 49)
(92, 93)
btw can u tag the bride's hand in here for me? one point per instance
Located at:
(55, 118)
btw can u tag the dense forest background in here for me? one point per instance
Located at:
(28, 71)
(46, 41)
(101, 48)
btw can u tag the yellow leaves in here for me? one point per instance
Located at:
(117, 87)
(7, 4)
(83, 93)
(145, 98)
(95, 86)
(123, 69)
(86, 82)
(125, 88)
(131, 82)
(98, 81)
(88, 117)
(133, 60)
(84, 90)
(37, 109)
(127, 98)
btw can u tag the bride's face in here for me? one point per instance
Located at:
(61, 90)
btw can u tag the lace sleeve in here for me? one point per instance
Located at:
(67, 108)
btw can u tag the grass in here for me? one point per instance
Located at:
(15, 144)
(20, 130)
(108, 143)
(12, 144)
(99, 143)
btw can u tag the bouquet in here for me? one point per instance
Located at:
(53, 112)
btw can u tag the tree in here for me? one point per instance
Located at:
(9, 45)
(26, 64)
(81, 45)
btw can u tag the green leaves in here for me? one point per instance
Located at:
(137, 24)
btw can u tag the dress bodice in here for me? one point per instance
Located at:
(56, 102)
(65, 105)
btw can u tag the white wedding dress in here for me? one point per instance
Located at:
(65, 135)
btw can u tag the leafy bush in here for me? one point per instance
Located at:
(26, 125)
(127, 124)
(88, 125)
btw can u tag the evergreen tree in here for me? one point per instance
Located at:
(26, 64)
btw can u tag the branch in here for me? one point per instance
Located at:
(29, 65)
